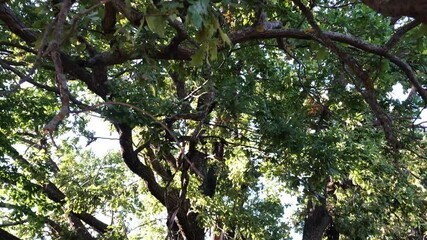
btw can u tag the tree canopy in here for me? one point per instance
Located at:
(224, 110)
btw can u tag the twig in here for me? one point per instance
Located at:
(79, 16)
(39, 52)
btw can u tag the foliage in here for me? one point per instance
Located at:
(225, 110)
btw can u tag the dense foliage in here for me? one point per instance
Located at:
(226, 111)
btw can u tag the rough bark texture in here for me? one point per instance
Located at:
(397, 8)
(316, 222)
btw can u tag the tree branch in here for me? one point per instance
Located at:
(15, 25)
(399, 34)
(132, 161)
(17, 45)
(78, 226)
(109, 19)
(5, 235)
(397, 8)
(61, 80)
(10, 224)
(133, 15)
(93, 222)
(160, 170)
(249, 34)
(363, 83)
(77, 18)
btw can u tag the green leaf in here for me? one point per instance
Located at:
(204, 34)
(213, 49)
(156, 21)
(321, 53)
(156, 24)
(198, 56)
(224, 37)
(196, 13)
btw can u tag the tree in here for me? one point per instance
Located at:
(223, 108)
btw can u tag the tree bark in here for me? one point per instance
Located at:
(184, 218)
(5, 235)
(397, 8)
(79, 228)
(316, 222)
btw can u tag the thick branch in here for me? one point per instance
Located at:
(169, 198)
(93, 222)
(181, 35)
(132, 161)
(396, 8)
(5, 235)
(133, 15)
(179, 83)
(249, 34)
(316, 222)
(157, 166)
(74, 69)
(109, 18)
(15, 25)
(78, 226)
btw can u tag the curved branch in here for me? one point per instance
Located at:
(397, 8)
(61, 80)
(136, 166)
(250, 34)
(410, 74)
(399, 34)
(15, 25)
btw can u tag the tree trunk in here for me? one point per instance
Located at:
(316, 222)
